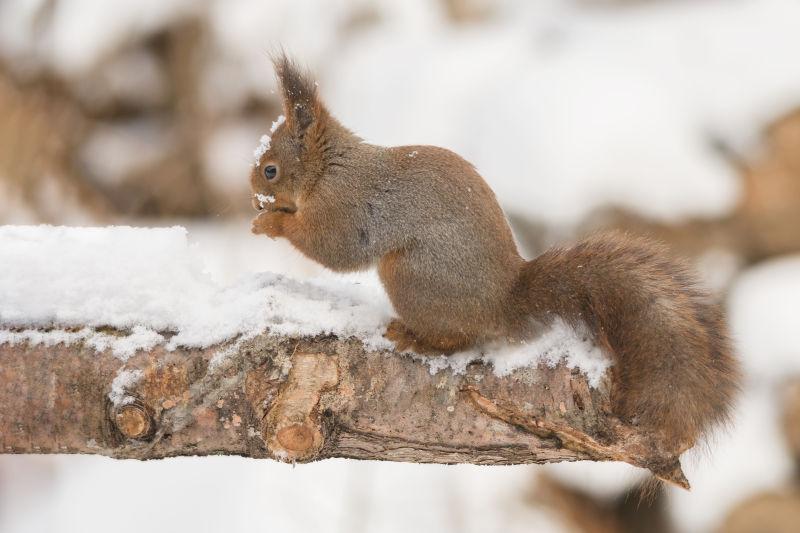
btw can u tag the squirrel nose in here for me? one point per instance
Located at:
(256, 204)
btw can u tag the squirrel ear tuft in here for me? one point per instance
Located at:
(299, 92)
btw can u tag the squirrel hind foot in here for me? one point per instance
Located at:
(406, 340)
(397, 333)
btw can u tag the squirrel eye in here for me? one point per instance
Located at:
(270, 171)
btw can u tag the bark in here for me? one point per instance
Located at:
(308, 399)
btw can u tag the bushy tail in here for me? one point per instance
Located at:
(674, 369)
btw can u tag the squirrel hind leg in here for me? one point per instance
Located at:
(406, 340)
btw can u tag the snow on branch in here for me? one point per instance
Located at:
(113, 341)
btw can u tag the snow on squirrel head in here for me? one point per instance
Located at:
(299, 149)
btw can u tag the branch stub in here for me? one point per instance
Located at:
(133, 421)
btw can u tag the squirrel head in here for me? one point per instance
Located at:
(302, 142)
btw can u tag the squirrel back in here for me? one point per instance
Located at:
(448, 261)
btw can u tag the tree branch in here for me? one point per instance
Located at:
(304, 400)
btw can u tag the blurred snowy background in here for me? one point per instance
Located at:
(676, 118)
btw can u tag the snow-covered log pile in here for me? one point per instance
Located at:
(114, 341)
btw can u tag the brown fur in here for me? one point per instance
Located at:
(447, 259)
(674, 365)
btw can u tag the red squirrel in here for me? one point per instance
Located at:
(447, 259)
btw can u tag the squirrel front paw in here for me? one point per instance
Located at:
(270, 223)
